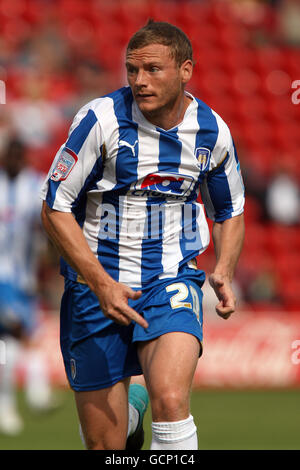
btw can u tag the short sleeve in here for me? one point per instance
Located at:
(222, 189)
(77, 164)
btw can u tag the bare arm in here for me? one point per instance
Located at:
(228, 238)
(68, 237)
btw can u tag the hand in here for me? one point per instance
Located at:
(113, 299)
(223, 290)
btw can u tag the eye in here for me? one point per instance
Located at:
(154, 69)
(130, 69)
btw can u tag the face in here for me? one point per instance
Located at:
(156, 80)
(14, 161)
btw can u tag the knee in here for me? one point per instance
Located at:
(90, 441)
(170, 405)
(93, 444)
(103, 442)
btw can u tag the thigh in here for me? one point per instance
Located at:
(103, 416)
(169, 360)
(169, 364)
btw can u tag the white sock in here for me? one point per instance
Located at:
(37, 380)
(133, 419)
(7, 373)
(178, 435)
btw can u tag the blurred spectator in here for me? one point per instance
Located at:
(45, 49)
(20, 244)
(263, 288)
(5, 128)
(289, 21)
(257, 278)
(255, 184)
(283, 195)
(34, 118)
(90, 81)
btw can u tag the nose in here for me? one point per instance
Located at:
(141, 79)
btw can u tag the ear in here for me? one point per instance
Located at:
(186, 71)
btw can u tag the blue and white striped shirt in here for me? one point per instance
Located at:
(133, 187)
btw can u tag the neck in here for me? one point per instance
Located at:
(170, 116)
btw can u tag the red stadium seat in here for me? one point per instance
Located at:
(70, 9)
(280, 108)
(282, 239)
(214, 81)
(190, 16)
(256, 239)
(269, 58)
(253, 214)
(287, 263)
(258, 133)
(238, 57)
(252, 108)
(292, 62)
(208, 57)
(289, 290)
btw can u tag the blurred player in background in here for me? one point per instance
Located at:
(120, 203)
(20, 243)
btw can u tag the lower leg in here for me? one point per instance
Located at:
(137, 402)
(103, 416)
(137, 405)
(169, 378)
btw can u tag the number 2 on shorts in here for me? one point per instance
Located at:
(177, 300)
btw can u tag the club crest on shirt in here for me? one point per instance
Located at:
(203, 157)
(64, 165)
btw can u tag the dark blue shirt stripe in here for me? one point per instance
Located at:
(219, 191)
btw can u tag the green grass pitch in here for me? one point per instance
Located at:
(226, 419)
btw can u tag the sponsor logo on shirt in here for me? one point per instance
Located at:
(64, 165)
(173, 184)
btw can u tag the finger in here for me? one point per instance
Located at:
(225, 307)
(225, 317)
(134, 295)
(119, 318)
(224, 312)
(133, 315)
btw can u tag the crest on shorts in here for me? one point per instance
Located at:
(203, 157)
(64, 165)
(73, 368)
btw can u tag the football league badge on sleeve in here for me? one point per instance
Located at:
(64, 165)
(203, 157)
